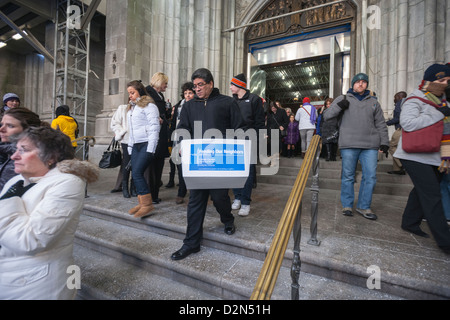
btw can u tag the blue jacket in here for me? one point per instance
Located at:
(396, 119)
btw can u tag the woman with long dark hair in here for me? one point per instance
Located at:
(144, 126)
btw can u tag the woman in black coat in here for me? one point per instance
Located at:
(158, 85)
(277, 119)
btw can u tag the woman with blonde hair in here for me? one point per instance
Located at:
(158, 85)
(144, 127)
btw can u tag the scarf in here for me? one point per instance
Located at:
(437, 89)
(431, 89)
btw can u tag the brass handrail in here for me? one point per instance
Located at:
(272, 264)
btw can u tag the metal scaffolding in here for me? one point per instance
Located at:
(71, 67)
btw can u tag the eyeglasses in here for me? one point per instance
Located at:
(22, 150)
(199, 85)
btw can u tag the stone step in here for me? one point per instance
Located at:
(108, 278)
(121, 262)
(330, 176)
(412, 267)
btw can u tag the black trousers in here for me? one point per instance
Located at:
(198, 200)
(155, 175)
(425, 201)
(182, 185)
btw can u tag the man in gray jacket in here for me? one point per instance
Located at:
(362, 133)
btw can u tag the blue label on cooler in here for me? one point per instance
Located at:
(217, 157)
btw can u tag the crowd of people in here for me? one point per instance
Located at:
(42, 184)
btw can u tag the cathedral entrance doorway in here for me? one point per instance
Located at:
(300, 55)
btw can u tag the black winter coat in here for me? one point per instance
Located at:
(275, 120)
(162, 149)
(252, 110)
(329, 129)
(217, 112)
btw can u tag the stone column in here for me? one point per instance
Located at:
(127, 50)
(34, 80)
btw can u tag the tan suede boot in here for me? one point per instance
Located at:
(132, 211)
(146, 206)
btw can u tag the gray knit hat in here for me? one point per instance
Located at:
(10, 96)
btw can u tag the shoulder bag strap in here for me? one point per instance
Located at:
(309, 114)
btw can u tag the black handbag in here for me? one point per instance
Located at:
(112, 157)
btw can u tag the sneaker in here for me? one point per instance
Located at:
(245, 210)
(347, 212)
(367, 213)
(236, 204)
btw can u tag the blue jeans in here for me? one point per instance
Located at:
(245, 193)
(368, 159)
(140, 160)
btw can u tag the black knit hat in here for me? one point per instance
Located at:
(240, 81)
(436, 72)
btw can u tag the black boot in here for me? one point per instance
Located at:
(333, 151)
(133, 189)
(125, 192)
(171, 183)
(328, 152)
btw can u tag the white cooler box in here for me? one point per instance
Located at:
(215, 163)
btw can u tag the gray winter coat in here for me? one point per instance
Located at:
(417, 115)
(363, 125)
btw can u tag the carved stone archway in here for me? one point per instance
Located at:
(324, 17)
(284, 21)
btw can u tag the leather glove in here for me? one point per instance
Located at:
(16, 190)
(344, 104)
(385, 149)
(445, 111)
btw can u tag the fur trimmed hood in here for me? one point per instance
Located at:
(142, 102)
(83, 169)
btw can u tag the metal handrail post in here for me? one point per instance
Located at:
(315, 200)
(296, 262)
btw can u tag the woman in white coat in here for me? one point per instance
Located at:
(40, 209)
(144, 127)
(119, 125)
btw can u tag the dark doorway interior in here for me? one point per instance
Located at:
(290, 82)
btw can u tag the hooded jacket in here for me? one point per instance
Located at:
(362, 125)
(143, 123)
(67, 125)
(37, 232)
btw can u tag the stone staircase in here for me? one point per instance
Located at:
(129, 259)
(330, 177)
